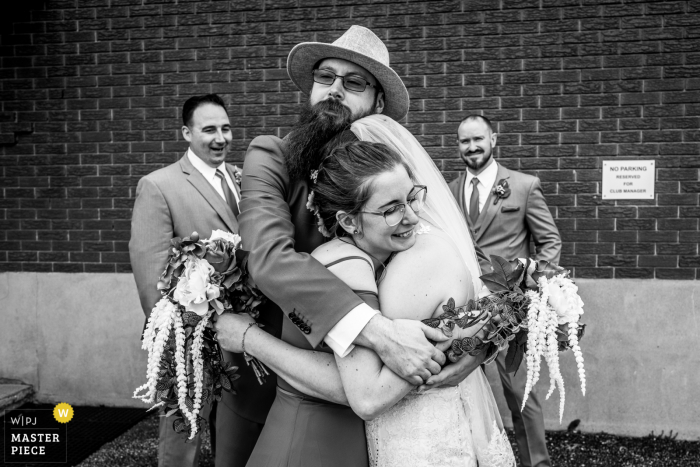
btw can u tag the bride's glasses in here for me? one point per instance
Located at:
(395, 213)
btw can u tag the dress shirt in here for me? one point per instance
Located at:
(341, 336)
(209, 174)
(487, 178)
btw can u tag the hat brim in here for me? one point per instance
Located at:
(304, 56)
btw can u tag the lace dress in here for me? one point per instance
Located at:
(443, 427)
(436, 428)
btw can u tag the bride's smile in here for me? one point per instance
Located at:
(387, 220)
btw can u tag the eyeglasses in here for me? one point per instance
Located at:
(351, 83)
(396, 213)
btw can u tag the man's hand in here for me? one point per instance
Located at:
(455, 373)
(403, 346)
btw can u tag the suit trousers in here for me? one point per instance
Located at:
(174, 450)
(232, 448)
(528, 424)
(232, 437)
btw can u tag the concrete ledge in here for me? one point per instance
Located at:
(13, 396)
(639, 350)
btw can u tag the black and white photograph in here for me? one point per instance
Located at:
(350, 233)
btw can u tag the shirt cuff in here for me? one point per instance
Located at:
(341, 337)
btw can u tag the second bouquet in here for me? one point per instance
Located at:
(532, 309)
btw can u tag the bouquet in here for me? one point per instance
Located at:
(533, 310)
(185, 363)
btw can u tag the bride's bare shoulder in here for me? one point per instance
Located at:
(432, 247)
(423, 277)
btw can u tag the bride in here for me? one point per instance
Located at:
(370, 196)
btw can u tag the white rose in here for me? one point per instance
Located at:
(194, 289)
(228, 236)
(566, 302)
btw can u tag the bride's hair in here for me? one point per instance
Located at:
(344, 180)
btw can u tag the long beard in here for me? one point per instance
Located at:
(316, 126)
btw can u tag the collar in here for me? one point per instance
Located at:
(487, 177)
(205, 169)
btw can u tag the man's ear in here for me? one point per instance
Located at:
(379, 106)
(346, 221)
(186, 133)
(494, 137)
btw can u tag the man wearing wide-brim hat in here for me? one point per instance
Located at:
(346, 80)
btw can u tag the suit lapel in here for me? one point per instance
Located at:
(208, 192)
(491, 208)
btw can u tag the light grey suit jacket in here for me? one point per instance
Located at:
(174, 202)
(171, 202)
(505, 225)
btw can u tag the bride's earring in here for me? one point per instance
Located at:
(347, 223)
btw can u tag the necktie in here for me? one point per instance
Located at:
(474, 201)
(230, 198)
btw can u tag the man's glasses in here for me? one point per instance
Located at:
(351, 82)
(395, 214)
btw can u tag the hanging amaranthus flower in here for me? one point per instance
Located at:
(185, 364)
(533, 311)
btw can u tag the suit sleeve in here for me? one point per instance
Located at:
(151, 232)
(295, 281)
(544, 231)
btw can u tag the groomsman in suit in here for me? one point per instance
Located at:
(195, 194)
(505, 209)
(346, 80)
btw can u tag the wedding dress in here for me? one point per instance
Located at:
(443, 427)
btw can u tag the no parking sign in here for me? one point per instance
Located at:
(628, 179)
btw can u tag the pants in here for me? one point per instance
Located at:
(173, 451)
(232, 437)
(528, 424)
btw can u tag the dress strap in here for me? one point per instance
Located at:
(366, 292)
(347, 258)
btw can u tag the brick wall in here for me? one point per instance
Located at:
(91, 92)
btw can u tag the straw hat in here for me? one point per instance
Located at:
(362, 47)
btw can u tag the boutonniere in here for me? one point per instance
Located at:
(501, 190)
(237, 175)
